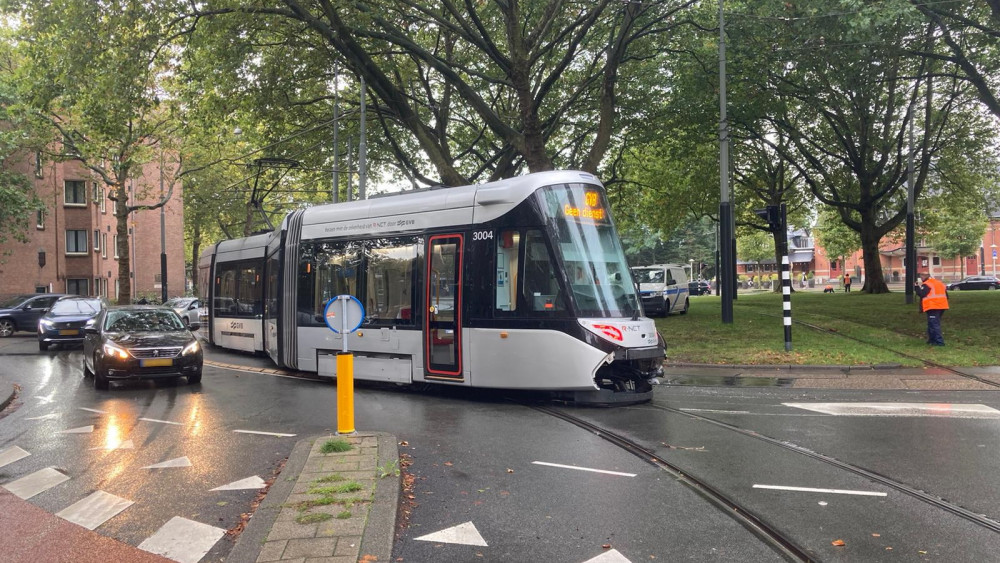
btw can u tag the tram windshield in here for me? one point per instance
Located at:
(588, 248)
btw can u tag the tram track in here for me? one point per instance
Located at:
(756, 524)
(925, 362)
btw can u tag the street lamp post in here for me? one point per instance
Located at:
(993, 247)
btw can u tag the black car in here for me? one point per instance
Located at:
(140, 342)
(21, 312)
(976, 282)
(65, 321)
(700, 287)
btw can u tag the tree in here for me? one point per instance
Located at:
(483, 89)
(834, 235)
(96, 74)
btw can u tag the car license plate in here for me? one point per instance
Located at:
(70, 332)
(156, 362)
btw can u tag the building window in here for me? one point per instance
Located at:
(97, 240)
(937, 260)
(76, 241)
(75, 193)
(40, 221)
(114, 242)
(118, 289)
(104, 245)
(96, 197)
(104, 202)
(114, 207)
(38, 164)
(77, 286)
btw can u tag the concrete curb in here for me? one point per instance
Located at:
(380, 529)
(802, 367)
(9, 397)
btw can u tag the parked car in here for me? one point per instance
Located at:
(188, 308)
(976, 282)
(700, 287)
(65, 321)
(140, 342)
(21, 312)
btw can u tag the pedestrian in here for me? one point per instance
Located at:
(847, 283)
(934, 302)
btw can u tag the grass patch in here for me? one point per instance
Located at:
(330, 479)
(344, 515)
(313, 518)
(336, 445)
(327, 501)
(350, 487)
(884, 323)
(391, 468)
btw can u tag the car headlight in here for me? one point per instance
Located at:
(115, 351)
(190, 348)
(45, 323)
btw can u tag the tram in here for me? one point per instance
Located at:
(515, 284)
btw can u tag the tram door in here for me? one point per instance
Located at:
(443, 324)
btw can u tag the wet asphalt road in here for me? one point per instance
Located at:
(474, 460)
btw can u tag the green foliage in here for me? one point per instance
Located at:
(756, 246)
(313, 518)
(834, 236)
(336, 445)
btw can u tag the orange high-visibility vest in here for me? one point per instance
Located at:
(936, 298)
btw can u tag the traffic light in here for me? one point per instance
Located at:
(771, 214)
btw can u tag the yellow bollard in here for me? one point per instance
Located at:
(345, 393)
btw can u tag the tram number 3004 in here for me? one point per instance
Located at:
(482, 235)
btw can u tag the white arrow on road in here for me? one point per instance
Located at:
(464, 534)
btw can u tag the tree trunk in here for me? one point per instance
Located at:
(124, 256)
(874, 280)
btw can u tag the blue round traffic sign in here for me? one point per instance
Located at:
(344, 314)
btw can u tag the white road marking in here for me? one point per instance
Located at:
(947, 410)
(827, 491)
(578, 468)
(38, 482)
(46, 399)
(94, 510)
(12, 454)
(93, 410)
(176, 462)
(254, 482)
(610, 556)
(80, 430)
(162, 421)
(183, 540)
(279, 434)
(463, 534)
(45, 416)
(126, 445)
(716, 411)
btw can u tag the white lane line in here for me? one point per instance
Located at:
(93, 410)
(578, 468)
(612, 556)
(162, 421)
(716, 411)
(183, 540)
(463, 534)
(12, 454)
(279, 434)
(254, 482)
(94, 510)
(947, 410)
(38, 482)
(81, 430)
(176, 462)
(827, 491)
(44, 416)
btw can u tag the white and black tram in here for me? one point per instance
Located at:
(516, 284)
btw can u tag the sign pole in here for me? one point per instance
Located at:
(352, 314)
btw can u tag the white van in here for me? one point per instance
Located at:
(663, 288)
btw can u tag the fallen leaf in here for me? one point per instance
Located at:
(922, 552)
(606, 546)
(404, 443)
(448, 463)
(838, 543)
(509, 470)
(876, 535)
(888, 549)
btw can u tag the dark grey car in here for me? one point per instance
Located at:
(21, 312)
(975, 282)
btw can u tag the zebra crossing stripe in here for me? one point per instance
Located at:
(38, 482)
(94, 510)
(12, 454)
(183, 540)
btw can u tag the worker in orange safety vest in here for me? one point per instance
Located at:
(934, 302)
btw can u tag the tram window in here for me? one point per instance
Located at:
(326, 270)
(389, 280)
(238, 289)
(508, 245)
(541, 288)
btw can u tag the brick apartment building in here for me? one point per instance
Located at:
(72, 246)
(806, 255)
